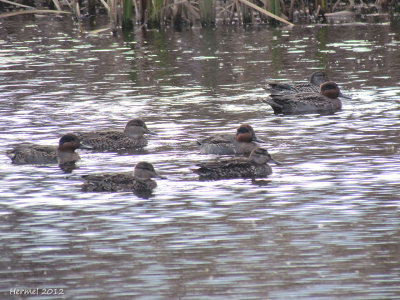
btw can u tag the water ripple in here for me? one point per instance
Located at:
(323, 225)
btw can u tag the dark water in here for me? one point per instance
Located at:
(324, 225)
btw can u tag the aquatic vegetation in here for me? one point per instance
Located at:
(160, 13)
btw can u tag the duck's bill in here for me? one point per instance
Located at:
(275, 161)
(255, 139)
(150, 132)
(157, 175)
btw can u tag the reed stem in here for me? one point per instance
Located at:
(156, 13)
(207, 12)
(246, 12)
(156, 9)
(127, 23)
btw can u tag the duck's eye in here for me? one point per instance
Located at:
(243, 130)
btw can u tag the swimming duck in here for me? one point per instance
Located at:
(326, 101)
(139, 181)
(112, 140)
(64, 154)
(254, 166)
(240, 144)
(317, 78)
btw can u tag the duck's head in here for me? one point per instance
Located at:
(331, 90)
(68, 143)
(145, 170)
(318, 78)
(261, 156)
(245, 134)
(136, 128)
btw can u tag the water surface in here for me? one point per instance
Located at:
(324, 225)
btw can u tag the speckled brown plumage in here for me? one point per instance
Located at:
(316, 79)
(113, 140)
(139, 181)
(39, 154)
(237, 167)
(325, 102)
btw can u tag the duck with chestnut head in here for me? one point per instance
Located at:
(326, 101)
(242, 143)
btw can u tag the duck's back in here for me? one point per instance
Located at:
(303, 103)
(232, 168)
(288, 89)
(218, 144)
(116, 182)
(225, 145)
(33, 154)
(110, 140)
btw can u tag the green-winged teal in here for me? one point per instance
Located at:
(240, 144)
(255, 166)
(317, 78)
(132, 137)
(324, 102)
(38, 154)
(139, 181)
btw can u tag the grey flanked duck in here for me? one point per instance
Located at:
(140, 181)
(64, 154)
(317, 78)
(240, 144)
(112, 140)
(254, 166)
(324, 102)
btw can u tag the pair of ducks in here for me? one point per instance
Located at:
(252, 161)
(318, 96)
(131, 137)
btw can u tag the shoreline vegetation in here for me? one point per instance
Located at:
(126, 14)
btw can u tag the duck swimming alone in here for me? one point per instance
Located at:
(112, 140)
(37, 154)
(317, 78)
(139, 181)
(255, 166)
(324, 102)
(240, 144)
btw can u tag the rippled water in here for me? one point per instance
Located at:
(324, 225)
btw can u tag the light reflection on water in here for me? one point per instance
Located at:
(325, 224)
